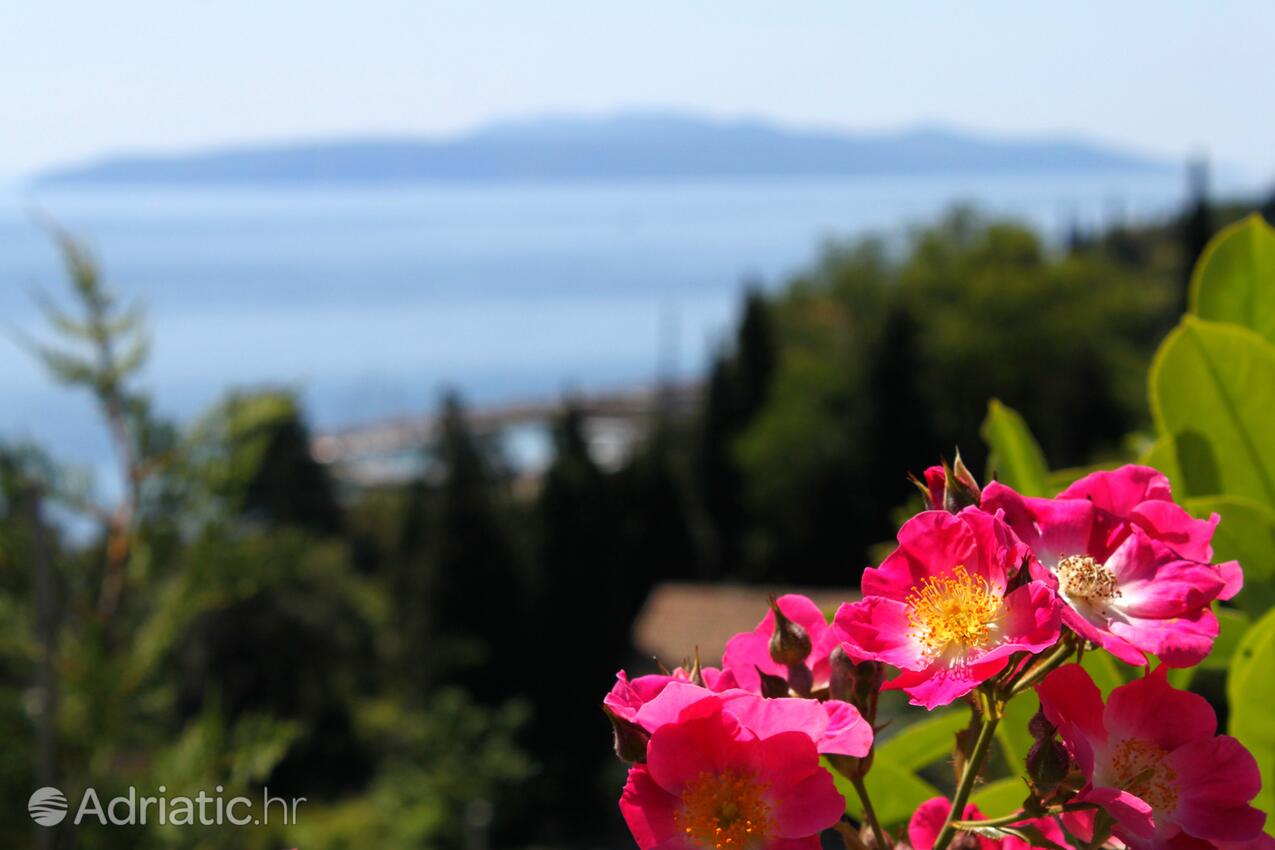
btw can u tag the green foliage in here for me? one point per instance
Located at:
(895, 793)
(1014, 457)
(1235, 278)
(1212, 387)
(1251, 692)
(886, 359)
(923, 742)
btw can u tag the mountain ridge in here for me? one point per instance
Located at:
(623, 145)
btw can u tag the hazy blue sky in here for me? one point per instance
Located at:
(83, 78)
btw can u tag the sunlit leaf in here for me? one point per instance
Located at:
(1212, 388)
(1014, 456)
(1235, 278)
(1251, 692)
(1000, 797)
(1246, 534)
(896, 792)
(924, 742)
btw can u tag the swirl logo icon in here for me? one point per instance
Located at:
(47, 806)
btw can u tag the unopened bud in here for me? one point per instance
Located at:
(772, 686)
(868, 678)
(841, 675)
(1047, 764)
(960, 490)
(630, 739)
(1039, 726)
(789, 642)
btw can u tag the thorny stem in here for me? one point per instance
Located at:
(869, 813)
(991, 716)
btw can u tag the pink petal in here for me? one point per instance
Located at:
(809, 842)
(648, 809)
(1169, 522)
(804, 798)
(679, 752)
(1232, 579)
(745, 652)
(1216, 779)
(928, 820)
(627, 696)
(1130, 812)
(1073, 703)
(847, 733)
(1048, 828)
(834, 726)
(876, 628)
(1101, 635)
(671, 703)
(1052, 528)
(1119, 491)
(1151, 709)
(941, 683)
(768, 717)
(1031, 622)
(1178, 642)
(930, 543)
(1155, 582)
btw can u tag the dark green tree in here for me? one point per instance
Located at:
(582, 619)
(735, 392)
(477, 580)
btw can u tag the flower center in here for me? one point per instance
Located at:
(1141, 769)
(724, 811)
(1081, 577)
(952, 612)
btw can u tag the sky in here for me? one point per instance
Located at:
(83, 79)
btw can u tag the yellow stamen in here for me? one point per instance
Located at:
(952, 612)
(725, 811)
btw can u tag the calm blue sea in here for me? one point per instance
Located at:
(369, 300)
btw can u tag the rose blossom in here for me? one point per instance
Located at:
(1125, 587)
(729, 773)
(939, 607)
(1152, 761)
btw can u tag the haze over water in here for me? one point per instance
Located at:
(370, 300)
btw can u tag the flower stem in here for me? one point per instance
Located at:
(869, 813)
(1043, 668)
(973, 766)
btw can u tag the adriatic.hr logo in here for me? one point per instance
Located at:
(48, 806)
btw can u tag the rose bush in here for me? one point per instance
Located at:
(998, 597)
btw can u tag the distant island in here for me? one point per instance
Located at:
(631, 145)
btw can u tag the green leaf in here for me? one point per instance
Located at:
(1233, 626)
(1163, 455)
(1246, 534)
(896, 792)
(1014, 456)
(1234, 280)
(1001, 797)
(1250, 690)
(1212, 388)
(1105, 671)
(922, 743)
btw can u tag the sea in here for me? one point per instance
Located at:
(370, 301)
